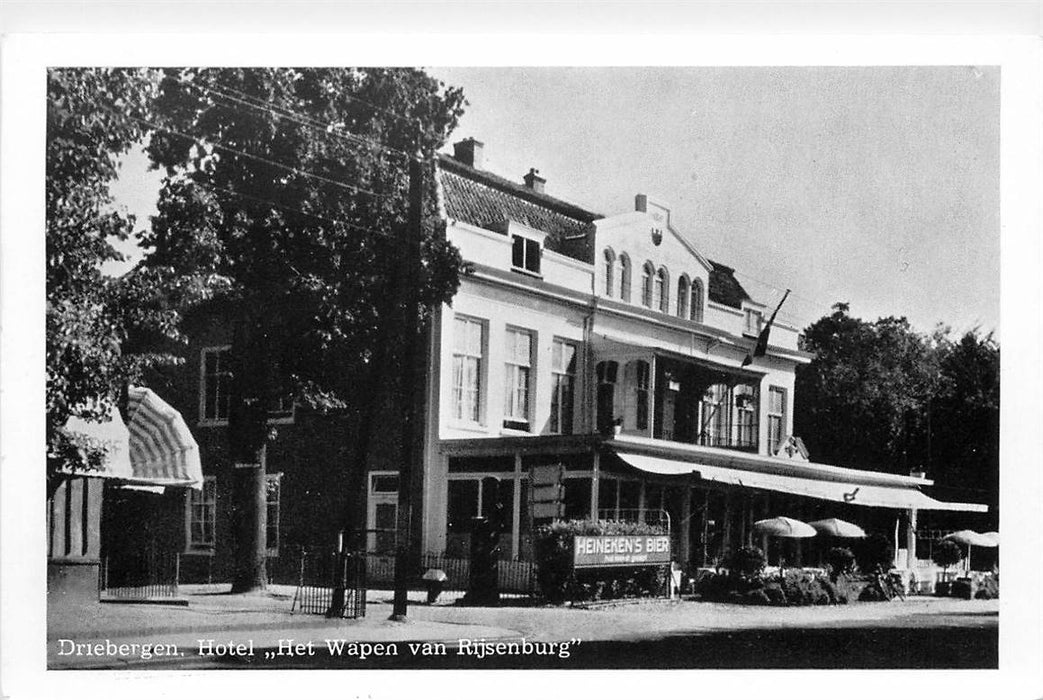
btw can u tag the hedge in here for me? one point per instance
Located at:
(557, 580)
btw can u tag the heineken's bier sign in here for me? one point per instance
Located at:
(620, 550)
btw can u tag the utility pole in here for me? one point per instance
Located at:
(411, 337)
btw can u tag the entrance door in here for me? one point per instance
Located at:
(382, 513)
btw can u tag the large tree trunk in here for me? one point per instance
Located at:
(248, 437)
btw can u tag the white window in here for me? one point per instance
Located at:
(624, 277)
(661, 295)
(776, 418)
(563, 363)
(697, 301)
(610, 264)
(518, 377)
(682, 297)
(202, 515)
(468, 347)
(746, 415)
(753, 322)
(273, 497)
(525, 254)
(647, 275)
(215, 385)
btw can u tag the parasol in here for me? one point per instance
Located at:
(834, 527)
(783, 527)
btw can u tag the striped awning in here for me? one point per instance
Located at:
(153, 448)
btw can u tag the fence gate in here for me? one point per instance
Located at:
(331, 583)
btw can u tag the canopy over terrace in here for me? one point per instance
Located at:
(792, 480)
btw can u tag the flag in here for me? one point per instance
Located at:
(761, 349)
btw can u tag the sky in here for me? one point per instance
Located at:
(877, 186)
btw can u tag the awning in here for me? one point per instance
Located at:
(155, 447)
(839, 491)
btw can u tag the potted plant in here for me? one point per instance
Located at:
(945, 554)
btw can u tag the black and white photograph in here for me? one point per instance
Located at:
(443, 366)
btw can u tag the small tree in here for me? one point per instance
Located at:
(747, 562)
(841, 560)
(874, 553)
(946, 553)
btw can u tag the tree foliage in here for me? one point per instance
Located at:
(291, 185)
(94, 116)
(880, 395)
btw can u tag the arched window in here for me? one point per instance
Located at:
(697, 301)
(647, 275)
(682, 296)
(610, 264)
(624, 277)
(661, 300)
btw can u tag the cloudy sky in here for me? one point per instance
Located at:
(875, 186)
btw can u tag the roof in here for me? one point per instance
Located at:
(483, 199)
(724, 288)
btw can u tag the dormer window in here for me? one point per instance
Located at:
(754, 319)
(525, 254)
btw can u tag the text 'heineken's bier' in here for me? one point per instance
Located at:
(620, 550)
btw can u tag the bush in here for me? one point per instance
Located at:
(841, 561)
(962, 588)
(988, 588)
(946, 553)
(798, 588)
(874, 553)
(747, 562)
(558, 582)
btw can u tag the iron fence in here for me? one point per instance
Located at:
(150, 576)
(517, 577)
(331, 583)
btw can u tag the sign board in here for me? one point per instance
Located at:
(550, 509)
(542, 494)
(547, 475)
(589, 551)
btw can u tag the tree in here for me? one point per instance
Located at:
(292, 185)
(94, 116)
(862, 401)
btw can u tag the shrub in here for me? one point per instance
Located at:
(747, 562)
(558, 582)
(874, 553)
(946, 553)
(988, 588)
(840, 561)
(962, 588)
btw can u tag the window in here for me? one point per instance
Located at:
(714, 421)
(518, 376)
(661, 293)
(606, 372)
(682, 297)
(382, 512)
(462, 505)
(643, 378)
(776, 418)
(624, 277)
(202, 515)
(610, 264)
(563, 367)
(273, 490)
(468, 346)
(647, 274)
(746, 415)
(525, 254)
(697, 301)
(216, 385)
(753, 322)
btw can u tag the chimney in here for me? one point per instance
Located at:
(533, 181)
(469, 152)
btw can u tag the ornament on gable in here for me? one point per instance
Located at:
(657, 235)
(793, 448)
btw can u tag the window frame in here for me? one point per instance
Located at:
(779, 416)
(208, 504)
(695, 307)
(531, 249)
(683, 296)
(648, 273)
(565, 423)
(610, 270)
(661, 288)
(479, 374)
(512, 420)
(625, 274)
(753, 314)
(216, 420)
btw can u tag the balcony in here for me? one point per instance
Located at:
(649, 394)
